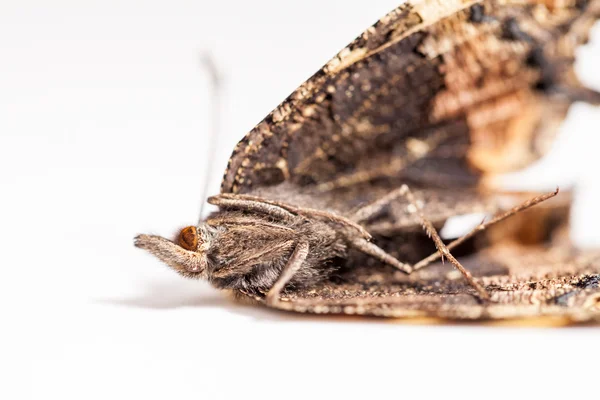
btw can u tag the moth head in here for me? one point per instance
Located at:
(186, 255)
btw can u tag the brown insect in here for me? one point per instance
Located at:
(436, 94)
(259, 246)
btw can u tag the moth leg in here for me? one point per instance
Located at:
(371, 209)
(484, 225)
(242, 201)
(439, 244)
(293, 265)
(368, 211)
(377, 252)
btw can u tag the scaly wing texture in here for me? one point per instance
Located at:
(523, 282)
(459, 87)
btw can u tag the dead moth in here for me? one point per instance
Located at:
(531, 269)
(258, 246)
(546, 278)
(436, 94)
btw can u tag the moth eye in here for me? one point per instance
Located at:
(188, 238)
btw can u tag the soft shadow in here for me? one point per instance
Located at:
(169, 296)
(163, 296)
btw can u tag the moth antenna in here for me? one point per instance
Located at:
(209, 65)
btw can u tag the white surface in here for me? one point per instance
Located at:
(103, 121)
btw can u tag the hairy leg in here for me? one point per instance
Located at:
(288, 272)
(439, 244)
(375, 251)
(275, 208)
(414, 208)
(369, 210)
(251, 204)
(484, 225)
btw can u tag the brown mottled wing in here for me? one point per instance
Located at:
(524, 282)
(490, 79)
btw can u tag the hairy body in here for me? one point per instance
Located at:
(248, 252)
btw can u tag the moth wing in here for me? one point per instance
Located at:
(470, 87)
(523, 282)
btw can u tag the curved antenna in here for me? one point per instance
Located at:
(209, 65)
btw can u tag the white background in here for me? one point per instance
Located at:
(104, 121)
